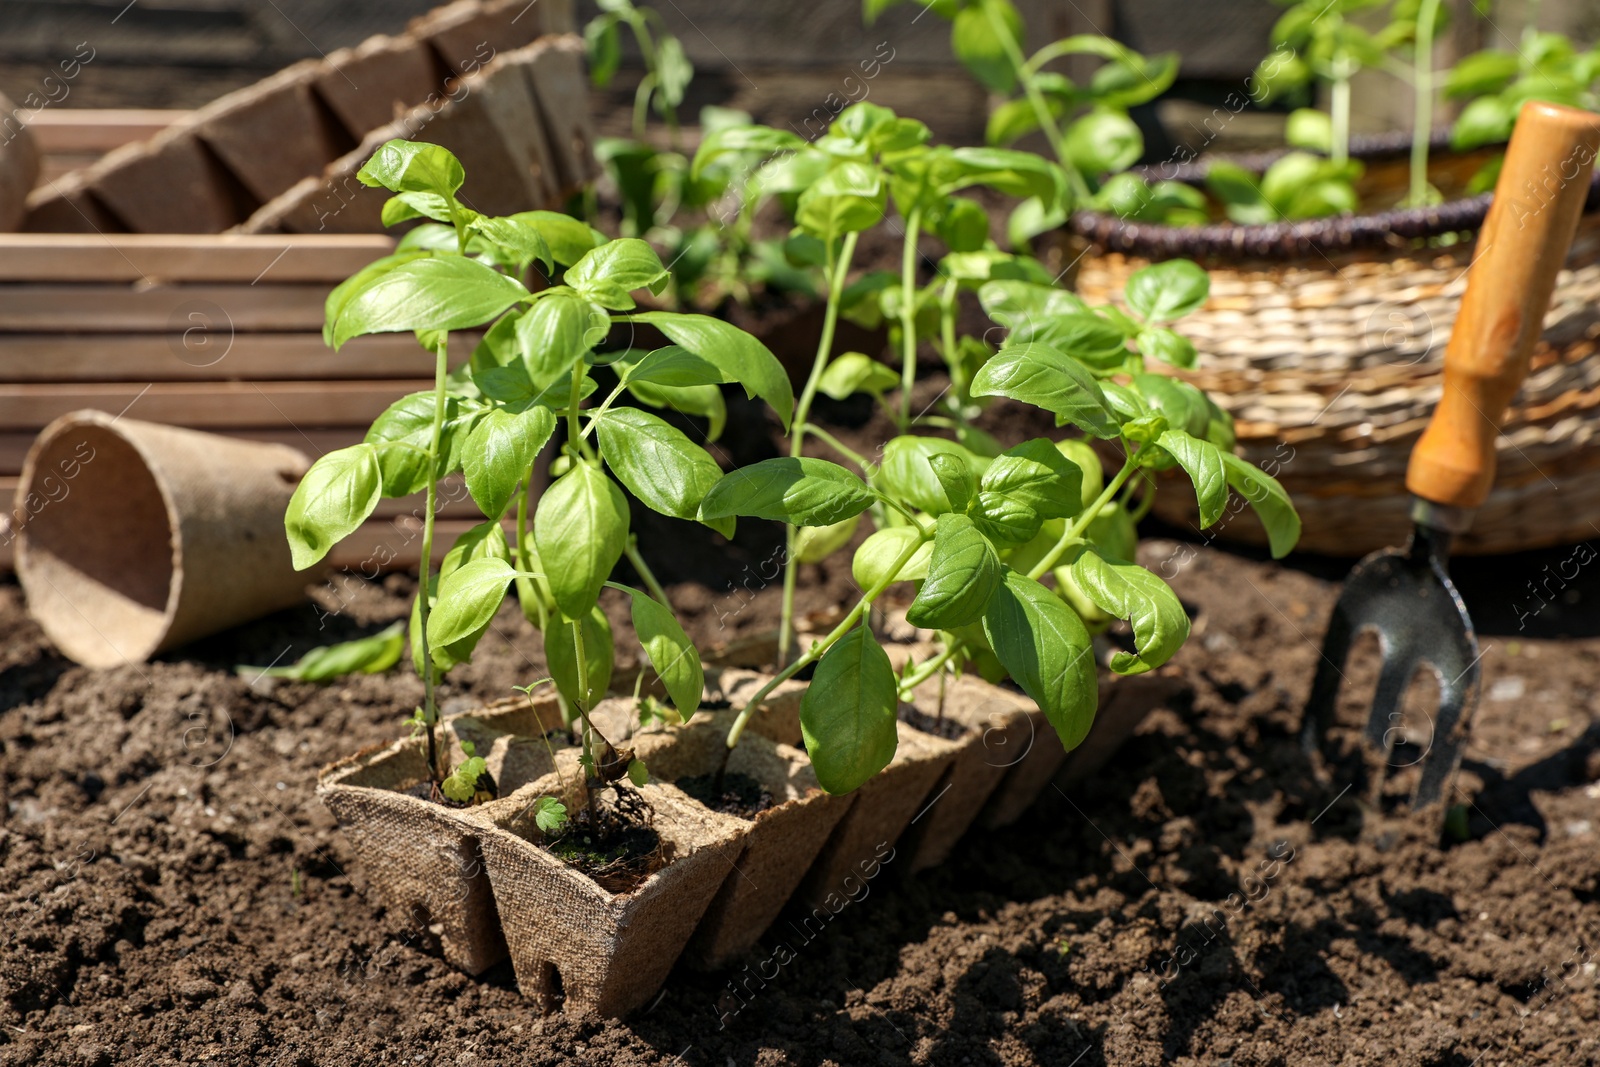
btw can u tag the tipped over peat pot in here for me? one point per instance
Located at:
(720, 869)
(1325, 340)
(139, 537)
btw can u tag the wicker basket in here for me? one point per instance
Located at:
(1325, 340)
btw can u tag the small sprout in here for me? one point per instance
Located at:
(1455, 823)
(418, 722)
(550, 815)
(527, 690)
(653, 710)
(296, 887)
(638, 774)
(1064, 949)
(461, 785)
(1557, 725)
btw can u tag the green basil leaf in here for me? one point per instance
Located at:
(522, 241)
(1168, 346)
(814, 544)
(703, 400)
(1104, 141)
(1046, 649)
(1168, 291)
(487, 540)
(1006, 519)
(671, 652)
(980, 47)
(674, 366)
(429, 293)
(849, 712)
(468, 599)
(1082, 455)
(871, 563)
(740, 357)
(1271, 504)
(413, 166)
(599, 653)
(555, 333)
(364, 655)
(907, 471)
(799, 491)
(1487, 120)
(1037, 474)
(1044, 377)
(1082, 335)
(657, 462)
(848, 198)
(1128, 591)
(854, 373)
(568, 238)
(963, 573)
(334, 305)
(500, 451)
(625, 264)
(581, 529)
(1203, 462)
(1015, 304)
(1182, 404)
(335, 497)
(956, 479)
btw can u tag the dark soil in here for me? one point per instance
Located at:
(939, 726)
(175, 893)
(618, 857)
(740, 794)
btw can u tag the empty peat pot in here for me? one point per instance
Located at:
(133, 538)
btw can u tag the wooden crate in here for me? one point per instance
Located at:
(215, 332)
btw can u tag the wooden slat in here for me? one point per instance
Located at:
(217, 309)
(86, 129)
(163, 257)
(380, 545)
(209, 405)
(146, 358)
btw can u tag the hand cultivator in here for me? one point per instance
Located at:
(1405, 594)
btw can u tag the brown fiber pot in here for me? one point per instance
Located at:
(421, 857)
(137, 538)
(780, 843)
(577, 945)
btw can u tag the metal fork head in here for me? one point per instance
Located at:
(1406, 596)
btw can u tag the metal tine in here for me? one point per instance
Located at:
(1320, 705)
(1450, 732)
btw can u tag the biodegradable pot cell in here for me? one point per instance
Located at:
(781, 842)
(865, 839)
(421, 856)
(136, 538)
(578, 945)
(992, 729)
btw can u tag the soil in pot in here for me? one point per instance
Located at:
(736, 794)
(621, 852)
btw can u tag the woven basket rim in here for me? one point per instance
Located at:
(1287, 241)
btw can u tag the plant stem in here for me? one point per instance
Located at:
(592, 770)
(1075, 531)
(1340, 149)
(430, 710)
(840, 447)
(1036, 100)
(1422, 122)
(928, 669)
(908, 315)
(837, 269)
(947, 341)
(646, 574)
(815, 651)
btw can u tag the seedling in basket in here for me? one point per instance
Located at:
(980, 534)
(523, 392)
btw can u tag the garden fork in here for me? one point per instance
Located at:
(1405, 594)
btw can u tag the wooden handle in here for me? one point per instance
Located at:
(1522, 246)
